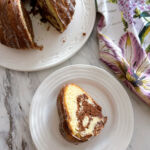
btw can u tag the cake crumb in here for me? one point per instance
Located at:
(64, 41)
(34, 11)
(84, 34)
(48, 28)
(44, 20)
(41, 48)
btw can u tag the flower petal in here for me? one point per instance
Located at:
(106, 45)
(112, 63)
(139, 91)
(144, 68)
(132, 50)
(111, 55)
(144, 94)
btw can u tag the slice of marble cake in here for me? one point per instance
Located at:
(80, 116)
(58, 12)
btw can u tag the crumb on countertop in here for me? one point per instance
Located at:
(84, 34)
(41, 48)
(48, 27)
(43, 20)
(64, 41)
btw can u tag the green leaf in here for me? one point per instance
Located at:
(144, 32)
(148, 24)
(148, 48)
(96, 5)
(148, 2)
(125, 24)
(145, 14)
(137, 13)
(113, 1)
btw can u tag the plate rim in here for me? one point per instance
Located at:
(82, 66)
(46, 66)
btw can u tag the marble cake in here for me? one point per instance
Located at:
(80, 116)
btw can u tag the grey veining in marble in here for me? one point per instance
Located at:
(17, 90)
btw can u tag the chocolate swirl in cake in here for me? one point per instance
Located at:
(86, 110)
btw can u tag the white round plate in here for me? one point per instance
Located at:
(104, 88)
(57, 47)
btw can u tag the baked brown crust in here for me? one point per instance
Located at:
(64, 125)
(12, 30)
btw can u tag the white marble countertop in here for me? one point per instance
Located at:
(17, 90)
